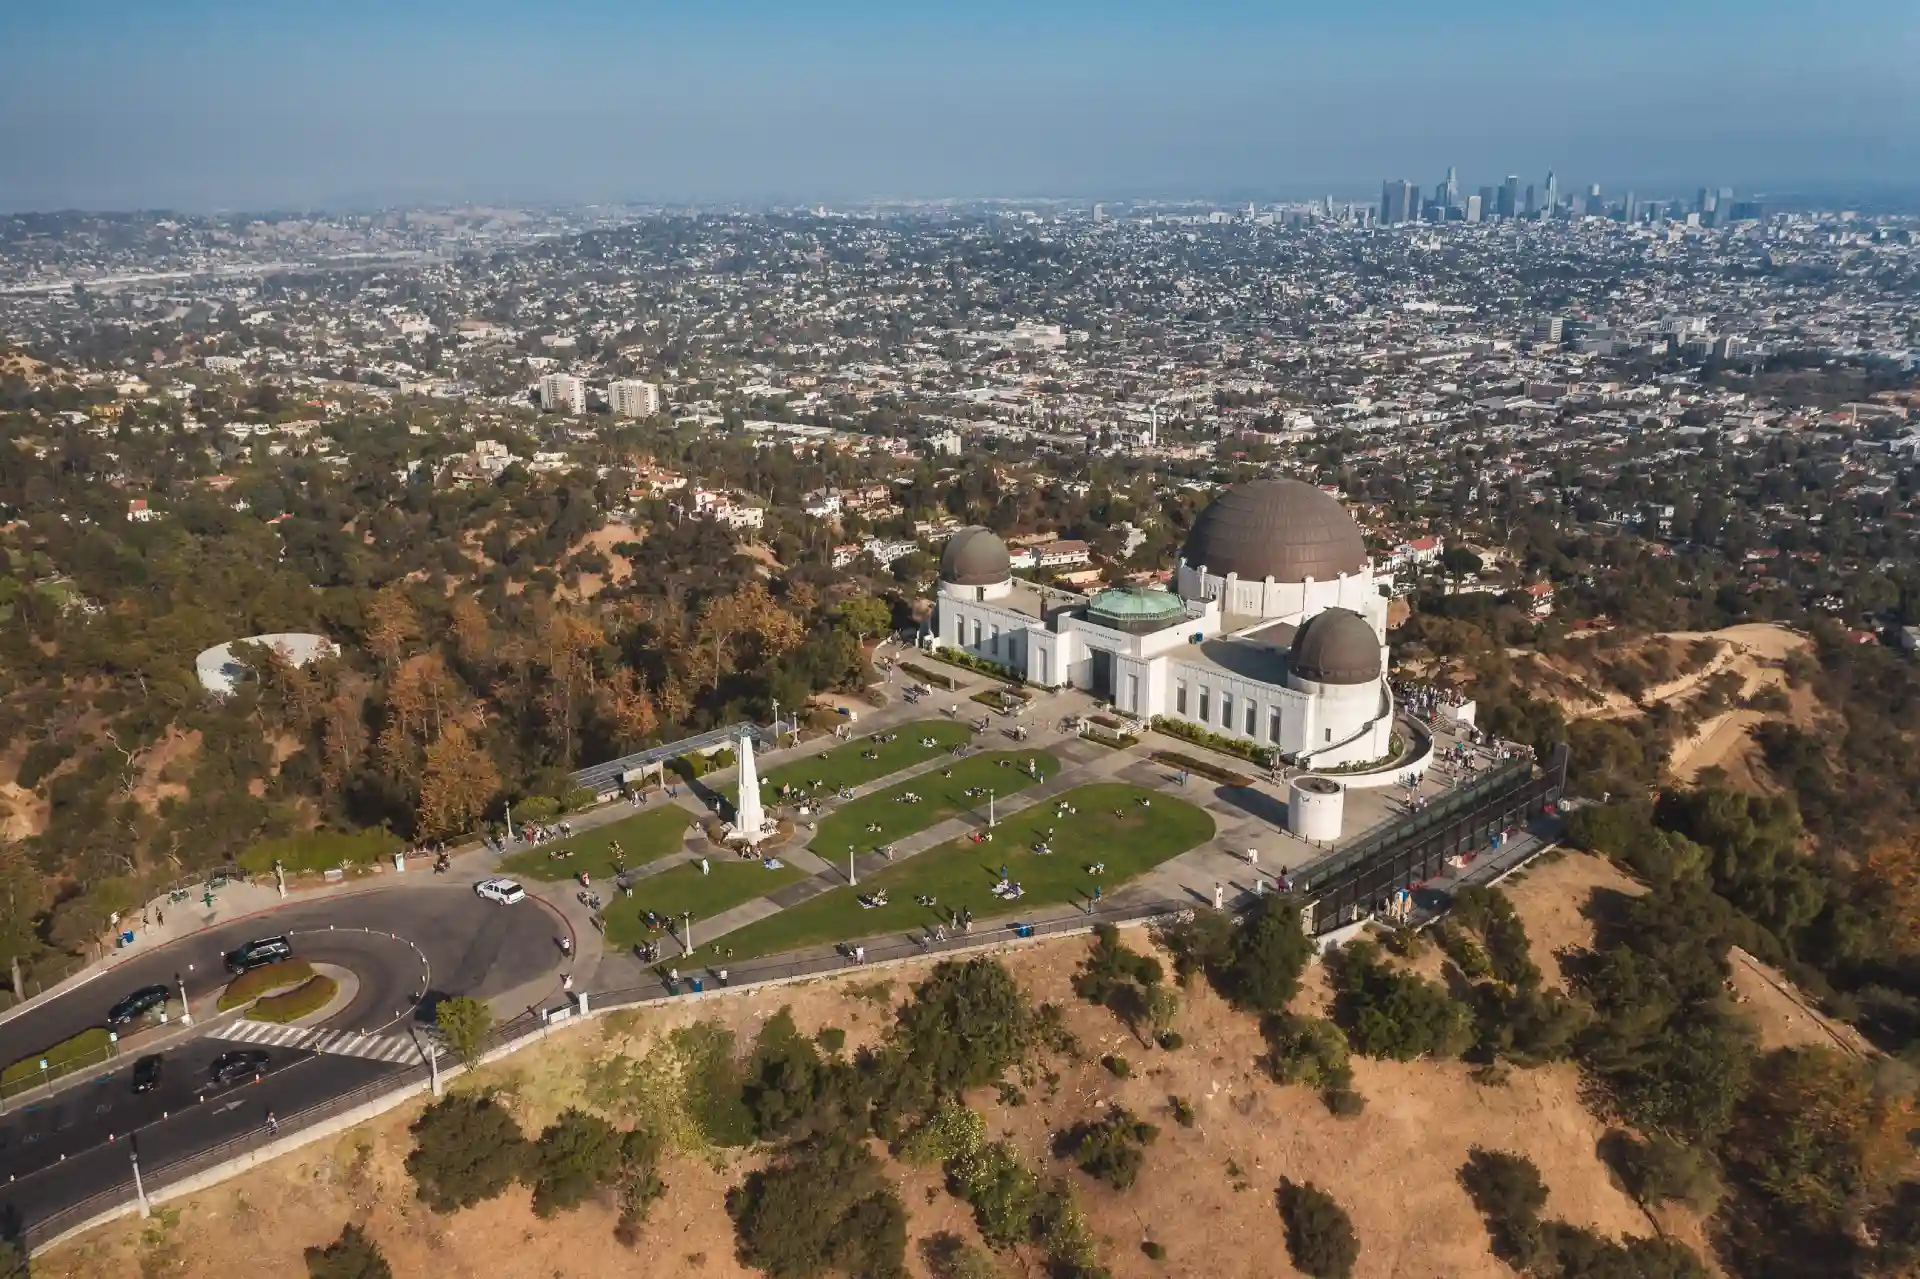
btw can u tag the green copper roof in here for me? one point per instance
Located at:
(1134, 603)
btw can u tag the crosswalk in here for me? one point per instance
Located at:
(343, 1043)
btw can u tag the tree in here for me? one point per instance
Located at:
(1320, 1236)
(456, 785)
(966, 1024)
(466, 1149)
(352, 1256)
(1390, 1013)
(826, 1207)
(391, 624)
(1460, 561)
(864, 615)
(577, 1155)
(464, 1023)
(1510, 1194)
(637, 1182)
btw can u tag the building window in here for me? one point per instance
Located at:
(995, 642)
(1251, 721)
(1273, 727)
(976, 635)
(1226, 710)
(1329, 734)
(1180, 698)
(1203, 705)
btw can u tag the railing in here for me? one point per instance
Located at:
(601, 778)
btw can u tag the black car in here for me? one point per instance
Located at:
(137, 1005)
(235, 1067)
(146, 1073)
(258, 954)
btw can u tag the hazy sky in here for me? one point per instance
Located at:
(275, 103)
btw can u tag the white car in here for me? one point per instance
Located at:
(504, 891)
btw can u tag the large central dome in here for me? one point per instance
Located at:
(1282, 529)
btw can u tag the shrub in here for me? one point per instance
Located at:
(1320, 1236)
(1658, 1169)
(950, 1257)
(781, 1077)
(1002, 1192)
(831, 1039)
(1154, 1251)
(1112, 1149)
(1528, 1025)
(576, 1156)
(1119, 1067)
(1212, 741)
(1201, 768)
(254, 983)
(1345, 1102)
(952, 1132)
(1256, 966)
(823, 1207)
(1182, 1111)
(937, 679)
(464, 1023)
(302, 1001)
(466, 1149)
(1109, 969)
(1464, 951)
(1309, 1051)
(1389, 1013)
(1171, 1040)
(352, 1256)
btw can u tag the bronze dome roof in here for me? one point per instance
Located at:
(975, 556)
(1282, 529)
(1337, 646)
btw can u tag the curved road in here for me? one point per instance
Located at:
(408, 947)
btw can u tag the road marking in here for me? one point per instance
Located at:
(341, 1043)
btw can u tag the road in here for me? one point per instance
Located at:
(419, 944)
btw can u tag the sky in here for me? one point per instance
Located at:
(276, 104)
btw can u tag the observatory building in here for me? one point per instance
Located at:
(1275, 633)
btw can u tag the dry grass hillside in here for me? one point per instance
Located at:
(1207, 1195)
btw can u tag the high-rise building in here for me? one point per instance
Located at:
(1473, 208)
(630, 397)
(1451, 199)
(1399, 202)
(1549, 328)
(1099, 213)
(1389, 197)
(1510, 196)
(1533, 203)
(1488, 203)
(562, 393)
(1630, 210)
(1553, 194)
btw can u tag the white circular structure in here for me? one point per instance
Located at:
(221, 671)
(1316, 807)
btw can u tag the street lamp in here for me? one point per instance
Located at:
(186, 1013)
(989, 810)
(686, 931)
(139, 1189)
(851, 881)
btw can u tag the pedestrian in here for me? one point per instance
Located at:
(566, 983)
(159, 918)
(273, 1125)
(859, 954)
(1096, 894)
(1219, 896)
(703, 866)
(723, 976)
(1253, 857)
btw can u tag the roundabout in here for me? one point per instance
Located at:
(393, 952)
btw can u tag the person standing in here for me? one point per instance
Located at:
(1219, 896)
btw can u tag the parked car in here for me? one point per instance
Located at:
(136, 1005)
(503, 891)
(234, 1067)
(146, 1073)
(258, 954)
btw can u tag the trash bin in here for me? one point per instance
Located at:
(698, 985)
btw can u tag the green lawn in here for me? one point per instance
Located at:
(88, 1048)
(646, 836)
(730, 881)
(963, 873)
(941, 797)
(845, 763)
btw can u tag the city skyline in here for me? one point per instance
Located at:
(210, 104)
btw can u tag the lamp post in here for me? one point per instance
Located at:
(186, 1013)
(851, 881)
(139, 1188)
(989, 810)
(686, 931)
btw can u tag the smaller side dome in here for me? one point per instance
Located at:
(975, 556)
(1337, 646)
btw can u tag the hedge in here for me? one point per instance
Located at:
(88, 1048)
(309, 997)
(967, 661)
(926, 676)
(249, 986)
(1225, 776)
(1213, 741)
(318, 850)
(1113, 740)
